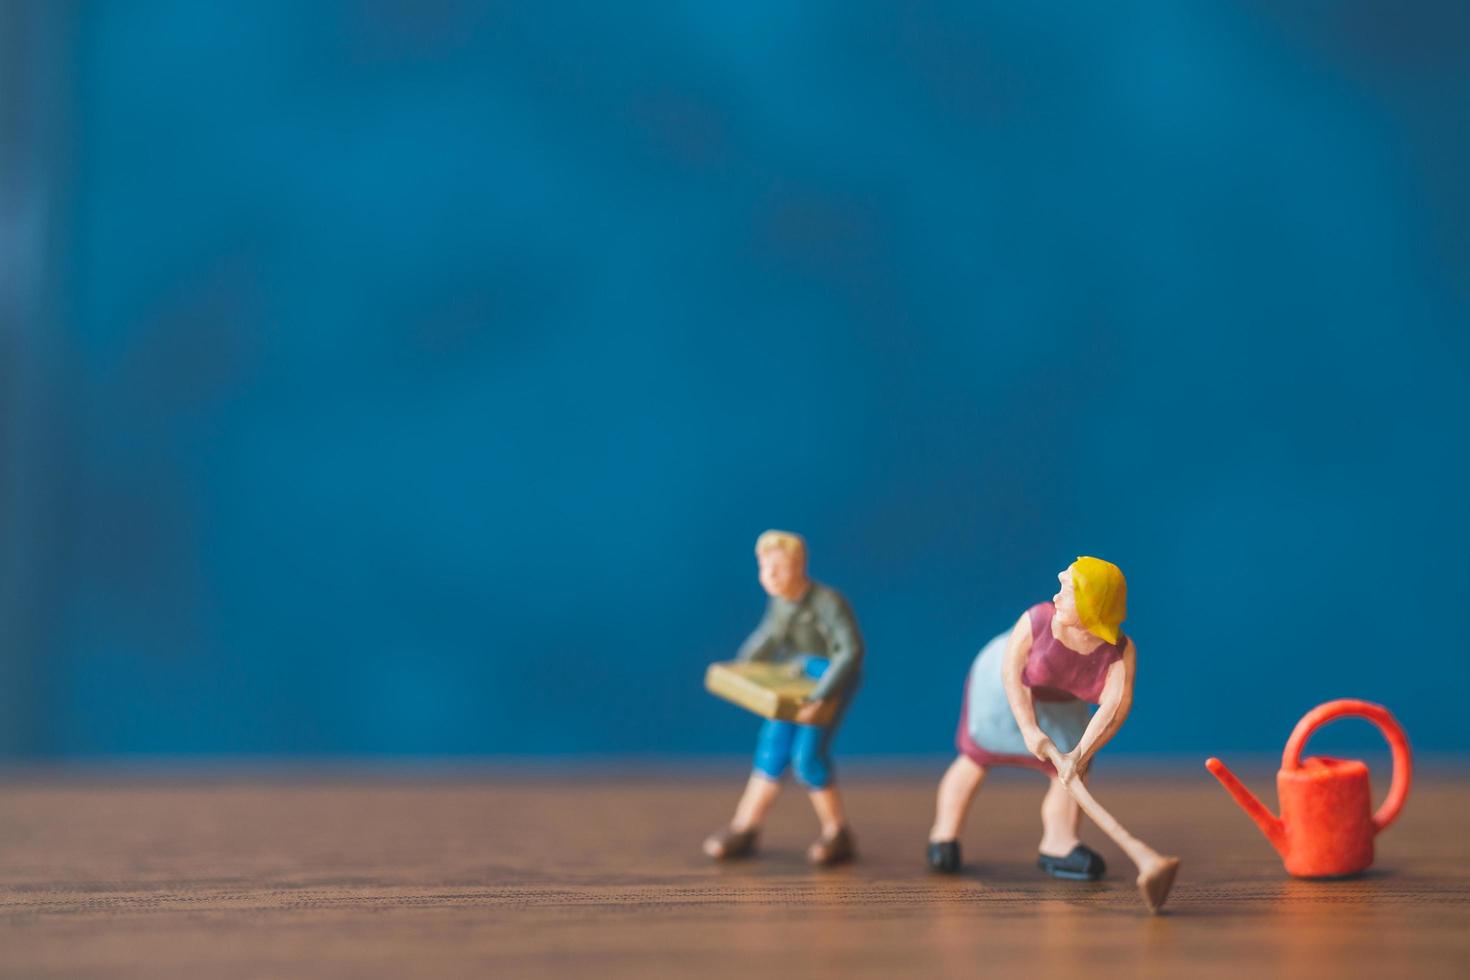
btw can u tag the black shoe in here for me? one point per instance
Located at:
(1083, 864)
(944, 856)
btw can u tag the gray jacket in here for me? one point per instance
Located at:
(821, 624)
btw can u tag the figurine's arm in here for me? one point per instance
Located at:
(1018, 694)
(761, 645)
(844, 645)
(1117, 700)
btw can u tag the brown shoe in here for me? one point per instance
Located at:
(827, 851)
(729, 843)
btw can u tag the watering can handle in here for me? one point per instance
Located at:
(1403, 765)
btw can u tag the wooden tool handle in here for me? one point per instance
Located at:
(1138, 852)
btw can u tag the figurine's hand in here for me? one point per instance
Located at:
(807, 713)
(1039, 744)
(1071, 766)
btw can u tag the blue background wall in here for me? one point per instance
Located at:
(415, 377)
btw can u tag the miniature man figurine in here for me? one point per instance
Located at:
(811, 627)
(1028, 699)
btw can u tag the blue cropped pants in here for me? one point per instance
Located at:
(806, 749)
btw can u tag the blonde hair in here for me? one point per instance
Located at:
(792, 544)
(1102, 596)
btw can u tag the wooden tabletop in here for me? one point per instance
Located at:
(525, 875)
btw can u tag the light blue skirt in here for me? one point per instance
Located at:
(988, 731)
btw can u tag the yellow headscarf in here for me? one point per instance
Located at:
(1102, 596)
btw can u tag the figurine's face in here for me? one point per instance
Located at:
(782, 573)
(1066, 601)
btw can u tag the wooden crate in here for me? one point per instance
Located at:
(768, 689)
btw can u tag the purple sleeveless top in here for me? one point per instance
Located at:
(1056, 673)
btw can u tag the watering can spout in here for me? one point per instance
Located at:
(1269, 823)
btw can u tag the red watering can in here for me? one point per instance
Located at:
(1327, 826)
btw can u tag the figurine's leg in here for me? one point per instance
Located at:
(835, 845)
(760, 792)
(1060, 818)
(811, 758)
(828, 805)
(1063, 855)
(956, 790)
(772, 756)
(738, 839)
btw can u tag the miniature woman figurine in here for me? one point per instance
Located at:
(811, 627)
(1030, 692)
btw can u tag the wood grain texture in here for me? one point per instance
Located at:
(527, 876)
